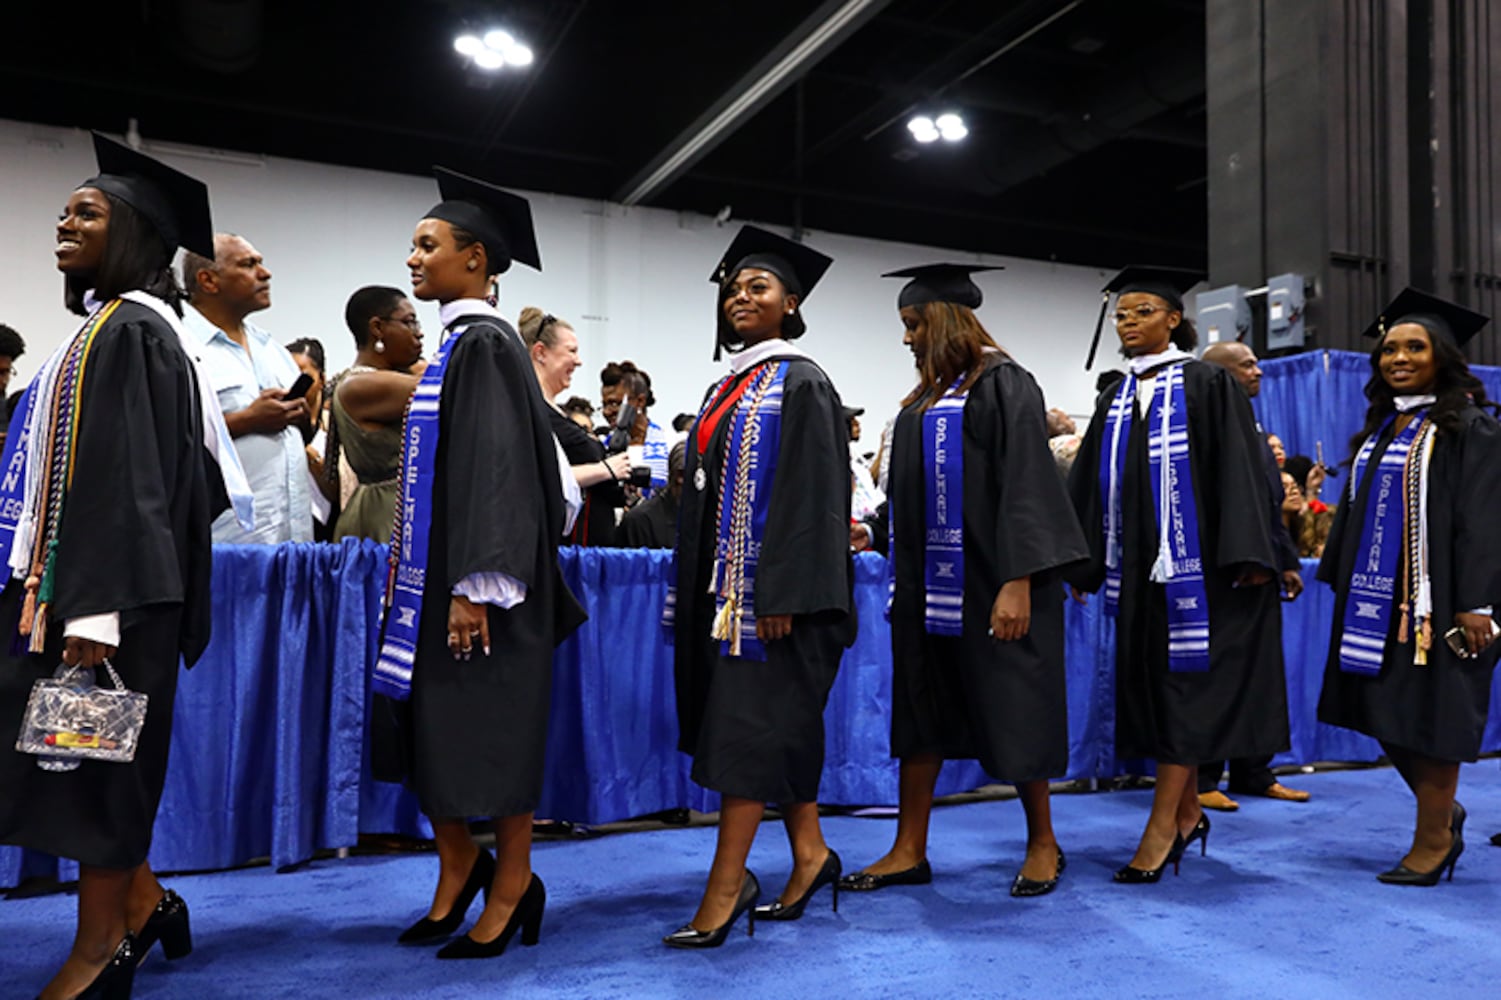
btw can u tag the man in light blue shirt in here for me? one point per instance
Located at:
(251, 374)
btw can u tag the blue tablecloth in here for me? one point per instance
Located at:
(268, 747)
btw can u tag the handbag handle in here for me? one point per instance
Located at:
(119, 684)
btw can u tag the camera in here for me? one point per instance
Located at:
(620, 439)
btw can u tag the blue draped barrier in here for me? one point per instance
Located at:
(268, 750)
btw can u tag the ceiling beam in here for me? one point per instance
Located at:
(816, 37)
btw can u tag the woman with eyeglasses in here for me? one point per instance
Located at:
(369, 400)
(554, 350)
(1172, 492)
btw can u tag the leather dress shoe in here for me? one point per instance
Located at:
(1218, 800)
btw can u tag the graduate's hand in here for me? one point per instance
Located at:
(78, 651)
(1253, 576)
(1079, 596)
(859, 537)
(769, 628)
(1477, 631)
(1011, 614)
(1292, 585)
(468, 627)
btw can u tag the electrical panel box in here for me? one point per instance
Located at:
(1223, 314)
(1284, 312)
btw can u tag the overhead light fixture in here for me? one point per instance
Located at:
(494, 50)
(948, 127)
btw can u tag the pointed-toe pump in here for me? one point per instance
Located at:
(1145, 876)
(480, 877)
(1403, 875)
(828, 874)
(527, 918)
(689, 936)
(1200, 832)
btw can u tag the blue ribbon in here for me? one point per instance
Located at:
(1179, 564)
(412, 529)
(1368, 607)
(13, 473)
(943, 538)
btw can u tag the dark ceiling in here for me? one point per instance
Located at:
(1087, 120)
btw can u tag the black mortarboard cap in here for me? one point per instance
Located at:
(175, 204)
(1439, 317)
(940, 283)
(851, 412)
(800, 267)
(501, 220)
(1167, 283)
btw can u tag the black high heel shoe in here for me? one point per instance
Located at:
(527, 917)
(828, 874)
(480, 877)
(1145, 876)
(1023, 886)
(1403, 875)
(1200, 832)
(168, 924)
(1457, 819)
(689, 936)
(115, 979)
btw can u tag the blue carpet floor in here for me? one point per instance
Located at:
(1285, 905)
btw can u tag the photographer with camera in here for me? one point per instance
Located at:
(554, 350)
(626, 395)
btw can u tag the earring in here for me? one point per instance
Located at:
(380, 347)
(471, 265)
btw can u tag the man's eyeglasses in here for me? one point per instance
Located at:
(1140, 312)
(410, 322)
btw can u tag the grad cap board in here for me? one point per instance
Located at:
(1167, 283)
(799, 267)
(501, 220)
(175, 204)
(940, 283)
(1439, 317)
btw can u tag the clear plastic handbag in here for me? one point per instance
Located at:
(69, 718)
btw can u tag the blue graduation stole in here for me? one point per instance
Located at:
(1368, 608)
(1179, 565)
(750, 462)
(943, 512)
(411, 529)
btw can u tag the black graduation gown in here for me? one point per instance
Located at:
(755, 728)
(134, 539)
(478, 727)
(1438, 710)
(1238, 708)
(971, 696)
(595, 524)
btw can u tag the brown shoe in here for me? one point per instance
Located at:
(1218, 801)
(1277, 790)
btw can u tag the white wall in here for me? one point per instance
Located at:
(633, 281)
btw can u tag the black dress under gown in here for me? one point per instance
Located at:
(1237, 708)
(1438, 710)
(755, 728)
(134, 539)
(972, 696)
(475, 731)
(595, 525)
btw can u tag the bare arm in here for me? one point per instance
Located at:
(376, 399)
